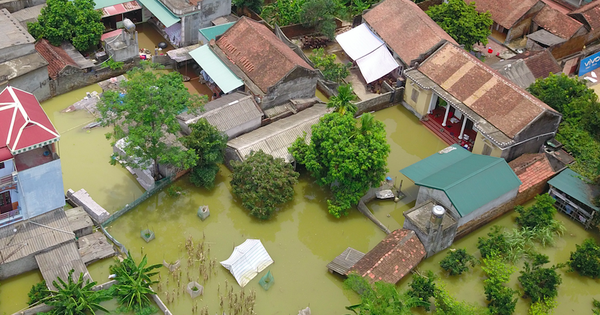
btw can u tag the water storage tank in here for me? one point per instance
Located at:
(129, 26)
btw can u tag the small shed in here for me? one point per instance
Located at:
(575, 197)
(392, 259)
(247, 261)
(342, 263)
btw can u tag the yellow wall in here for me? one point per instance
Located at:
(422, 103)
(478, 146)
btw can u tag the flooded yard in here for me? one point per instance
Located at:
(302, 238)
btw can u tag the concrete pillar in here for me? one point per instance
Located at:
(446, 115)
(462, 129)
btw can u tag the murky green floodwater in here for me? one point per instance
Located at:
(301, 239)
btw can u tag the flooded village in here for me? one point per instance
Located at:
(466, 146)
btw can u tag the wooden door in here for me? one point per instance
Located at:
(5, 202)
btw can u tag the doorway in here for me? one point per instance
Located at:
(5, 202)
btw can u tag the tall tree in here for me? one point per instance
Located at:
(462, 22)
(342, 102)
(75, 21)
(320, 14)
(346, 157)
(263, 183)
(209, 144)
(146, 116)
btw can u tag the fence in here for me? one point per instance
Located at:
(158, 186)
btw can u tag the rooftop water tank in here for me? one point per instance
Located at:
(129, 26)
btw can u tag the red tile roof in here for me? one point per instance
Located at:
(500, 102)
(505, 12)
(263, 57)
(392, 258)
(405, 28)
(557, 23)
(542, 63)
(591, 13)
(57, 58)
(23, 122)
(532, 169)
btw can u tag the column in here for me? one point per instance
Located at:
(446, 115)
(462, 129)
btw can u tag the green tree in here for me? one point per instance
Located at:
(342, 102)
(539, 283)
(596, 307)
(378, 298)
(422, 288)
(457, 260)
(75, 21)
(462, 22)
(539, 214)
(263, 183)
(74, 297)
(494, 244)
(320, 14)
(283, 12)
(346, 157)
(332, 71)
(146, 116)
(501, 299)
(586, 259)
(254, 5)
(209, 144)
(37, 293)
(445, 304)
(133, 285)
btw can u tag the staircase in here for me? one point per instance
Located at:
(439, 131)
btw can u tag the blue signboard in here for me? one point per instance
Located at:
(590, 63)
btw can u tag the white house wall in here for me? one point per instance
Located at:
(41, 189)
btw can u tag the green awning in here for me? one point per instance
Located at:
(573, 185)
(163, 14)
(216, 69)
(212, 32)
(107, 3)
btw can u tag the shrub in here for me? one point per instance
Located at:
(502, 300)
(422, 288)
(539, 284)
(586, 259)
(37, 293)
(456, 261)
(331, 70)
(495, 243)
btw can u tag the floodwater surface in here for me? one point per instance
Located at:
(301, 239)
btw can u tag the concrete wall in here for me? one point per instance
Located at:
(35, 82)
(431, 244)
(16, 5)
(42, 189)
(380, 102)
(16, 51)
(210, 10)
(420, 107)
(18, 267)
(297, 84)
(479, 145)
(533, 136)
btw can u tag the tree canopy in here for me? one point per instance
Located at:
(457, 260)
(263, 183)
(586, 259)
(209, 144)
(146, 115)
(347, 157)
(331, 70)
(75, 21)
(462, 22)
(320, 14)
(539, 283)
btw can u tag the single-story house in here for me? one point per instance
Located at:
(567, 35)
(233, 114)
(277, 137)
(269, 69)
(409, 33)
(589, 16)
(62, 60)
(479, 108)
(468, 185)
(392, 259)
(512, 18)
(576, 197)
(523, 69)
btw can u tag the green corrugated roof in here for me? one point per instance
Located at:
(163, 14)
(469, 180)
(107, 3)
(571, 183)
(216, 69)
(212, 32)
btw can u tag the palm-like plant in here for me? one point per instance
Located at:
(133, 285)
(75, 298)
(342, 102)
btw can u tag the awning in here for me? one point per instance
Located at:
(120, 8)
(160, 11)
(216, 69)
(369, 51)
(247, 261)
(99, 4)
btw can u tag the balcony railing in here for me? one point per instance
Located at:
(8, 215)
(6, 180)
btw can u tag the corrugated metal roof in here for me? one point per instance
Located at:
(247, 261)
(573, 185)
(469, 180)
(233, 114)
(161, 12)
(212, 32)
(274, 139)
(216, 69)
(58, 262)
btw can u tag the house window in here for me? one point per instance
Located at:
(487, 150)
(414, 95)
(1, 165)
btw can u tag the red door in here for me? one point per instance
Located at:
(5, 202)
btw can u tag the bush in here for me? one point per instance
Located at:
(37, 293)
(263, 183)
(539, 214)
(331, 70)
(422, 288)
(209, 144)
(502, 300)
(456, 261)
(379, 298)
(586, 259)
(496, 243)
(539, 284)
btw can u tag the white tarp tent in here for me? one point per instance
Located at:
(247, 260)
(369, 51)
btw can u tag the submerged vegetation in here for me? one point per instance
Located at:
(457, 261)
(586, 259)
